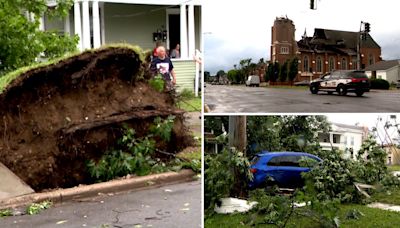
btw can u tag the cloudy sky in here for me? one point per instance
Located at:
(237, 29)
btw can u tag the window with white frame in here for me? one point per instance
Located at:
(284, 50)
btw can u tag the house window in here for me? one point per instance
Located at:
(352, 141)
(371, 59)
(344, 64)
(306, 66)
(319, 64)
(331, 63)
(284, 50)
(336, 138)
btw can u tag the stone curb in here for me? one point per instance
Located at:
(131, 184)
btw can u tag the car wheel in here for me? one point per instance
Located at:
(330, 92)
(359, 93)
(257, 85)
(314, 89)
(341, 89)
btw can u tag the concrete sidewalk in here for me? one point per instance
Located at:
(11, 185)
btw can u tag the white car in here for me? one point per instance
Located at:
(253, 80)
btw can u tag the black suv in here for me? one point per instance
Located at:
(342, 82)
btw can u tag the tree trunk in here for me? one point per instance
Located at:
(237, 132)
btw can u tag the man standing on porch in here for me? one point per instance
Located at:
(163, 65)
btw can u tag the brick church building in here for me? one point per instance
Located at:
(325, 51)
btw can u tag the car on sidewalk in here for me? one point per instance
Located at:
(280, 168)
(342, 82)
(253, 80)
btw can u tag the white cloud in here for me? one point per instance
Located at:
(242, 29)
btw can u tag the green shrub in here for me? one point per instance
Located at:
(223, 173)
(133, 155)
(157, 83)
(163, 128)
(379, 84)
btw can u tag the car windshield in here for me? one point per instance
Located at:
(358, 75)
(255, 160)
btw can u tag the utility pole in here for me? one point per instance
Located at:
(363, 34)
(237, 132)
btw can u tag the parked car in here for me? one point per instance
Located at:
(342, 82)
(280, 168)
(253, 80)
(398, 84)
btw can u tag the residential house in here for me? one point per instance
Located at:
(142, 23)
(388, 70)
(323, 52)
(346, 138)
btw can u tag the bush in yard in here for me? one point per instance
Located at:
(222, 174)
(379, 84)
(133, 155)
(333, 178)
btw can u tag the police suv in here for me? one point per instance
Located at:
(342, 82)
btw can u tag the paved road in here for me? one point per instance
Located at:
(169, 206)
(223, 99)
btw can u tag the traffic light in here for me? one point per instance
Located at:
(367, 27)
(312, 4)
(364, 36)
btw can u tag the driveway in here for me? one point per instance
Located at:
(224, 99)
(176, 205)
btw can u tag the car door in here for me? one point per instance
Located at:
(325, 81)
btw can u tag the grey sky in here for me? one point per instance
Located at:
(236, 29)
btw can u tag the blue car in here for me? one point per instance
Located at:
(280, 168)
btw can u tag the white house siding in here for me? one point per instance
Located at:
(350, 138)
(392, 74)
(185, 74)
(133, 24)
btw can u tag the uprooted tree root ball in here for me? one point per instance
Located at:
(55, 118)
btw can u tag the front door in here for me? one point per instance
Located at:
(174, 33)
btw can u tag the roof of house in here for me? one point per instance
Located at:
(354, 127)
(335, 41)
(383, 65)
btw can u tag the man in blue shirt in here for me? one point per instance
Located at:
(162, 65)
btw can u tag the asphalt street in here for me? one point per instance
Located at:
(240, 99)
(176, 205)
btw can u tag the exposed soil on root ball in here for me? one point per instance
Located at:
(53, 119)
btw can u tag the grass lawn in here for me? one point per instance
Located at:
(190, 104)
(373, 218)
(394, 167)
(390, 197)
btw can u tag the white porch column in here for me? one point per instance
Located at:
(41, 23)
(184, 42)
(78, 23)
(191, 25)
(85, 24)
(96, 24)
(67, 26)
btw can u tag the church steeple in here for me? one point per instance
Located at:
(305, 34)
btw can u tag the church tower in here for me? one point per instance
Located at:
(283, 43)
